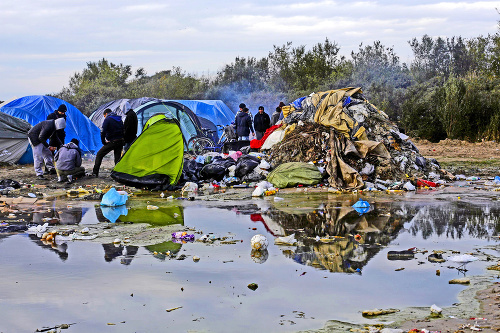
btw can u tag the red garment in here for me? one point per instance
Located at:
(256, 144)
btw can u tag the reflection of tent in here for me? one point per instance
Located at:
(162, 216)
(13, 139)
(35, 109)
(155, 159)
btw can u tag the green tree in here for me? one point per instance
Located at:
(97, 84)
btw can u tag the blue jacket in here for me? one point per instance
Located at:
(112, 128)
(243, 124)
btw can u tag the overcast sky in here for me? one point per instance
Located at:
(42, 43)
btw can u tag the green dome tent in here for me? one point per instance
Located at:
(155, 159)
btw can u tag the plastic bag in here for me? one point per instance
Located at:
(264, 165)
(113, 213)
(217, 169)
(245, 165)
(114, 198)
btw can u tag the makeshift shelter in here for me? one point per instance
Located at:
(188, 121)
(209, 113)
(35, 109)
(119, 106)
(155, 159)
(14, 140)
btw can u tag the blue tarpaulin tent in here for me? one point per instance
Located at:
(35, 109)
(209, 112)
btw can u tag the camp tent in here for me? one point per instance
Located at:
(35, 109)
(13, 139)
(119, 106)
(188, 121)
(210, 113)
(155, 159)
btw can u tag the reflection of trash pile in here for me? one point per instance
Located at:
(353, 140)
(338, 239)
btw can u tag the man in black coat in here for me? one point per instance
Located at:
(130, 129)
(243, 125)
(42, 152)
(261, 123)
(57, 139)
(111, 138)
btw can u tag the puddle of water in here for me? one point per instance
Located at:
(300, 287)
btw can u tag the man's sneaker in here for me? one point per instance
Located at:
(60, 179)
(70, 179)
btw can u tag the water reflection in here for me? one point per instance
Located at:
(331, 236)
(375, 229)
(125, 253)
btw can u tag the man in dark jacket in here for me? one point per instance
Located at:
(69, 161)
(111, 138)
(57, 139)
(42, 152)
(261, 123)
(243, 125)
(130, 129)
(277, 114)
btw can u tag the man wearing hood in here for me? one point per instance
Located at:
(129, 129)
(69, 161)
(42, 152)
(111, 138)
(57, 139)
(243, 125)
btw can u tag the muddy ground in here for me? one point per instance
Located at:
(459, 157)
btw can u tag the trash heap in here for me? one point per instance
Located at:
(335, 138)
(355, 143)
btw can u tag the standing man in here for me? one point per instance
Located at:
(276, 114)
(111, 138)
(243, 125)
(241, 106)
(42, 152)
(261, 123)
(69, 162)
(57, 139)
(130, 129)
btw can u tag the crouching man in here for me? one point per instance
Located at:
(69, 162)
(42, 152)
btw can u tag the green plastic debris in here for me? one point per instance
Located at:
(293, 173)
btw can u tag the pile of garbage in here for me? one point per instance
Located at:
(340, 131)
(336, 138)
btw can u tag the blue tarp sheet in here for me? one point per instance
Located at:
(214, 110)
(35, 109)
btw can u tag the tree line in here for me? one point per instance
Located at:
(451, 88)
